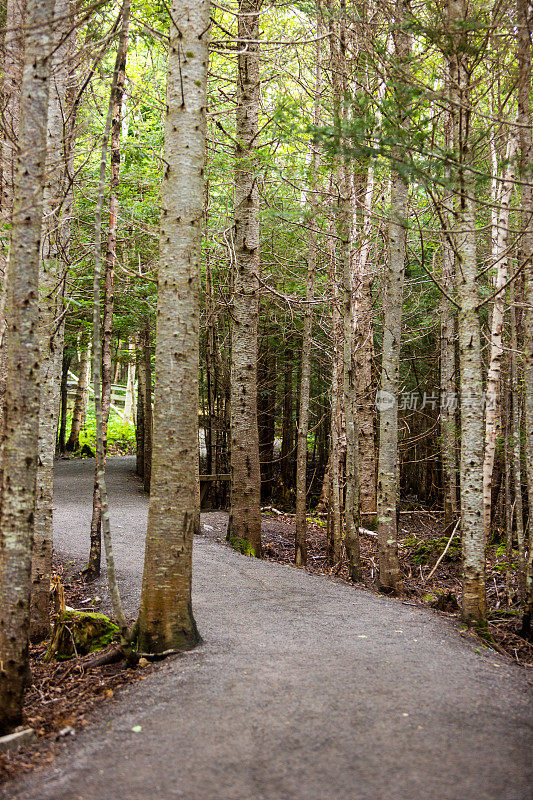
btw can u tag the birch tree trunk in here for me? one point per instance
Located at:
(447, 353)
(516, 439)
(244, 528)
(165, 618)
(447, 385)
(501, 259)
(310, 202)
(20, 425)
(345, 213)
(364, 340)
(387, 486)
(471, 386)
(95, 554)
(525, 120)
(334, 529)
(55, 246)
(13, 57)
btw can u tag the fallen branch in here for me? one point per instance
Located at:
(445, 550)
(274, 511)
(365, 532)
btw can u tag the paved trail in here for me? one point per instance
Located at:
(304, 689)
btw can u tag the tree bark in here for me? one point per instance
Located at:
(501, 260)
(364, 341)
(147, 405)
(20, 424)
(334, 528)
(244, 528)
(165, 618)
(471, 385)
(13, 58)
(525, 121)
(55, 247)
(516, 395)
(139, 426)
(287, 427)
(95, 553)
(388, 471)
(311, 203)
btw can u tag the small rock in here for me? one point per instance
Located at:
(68, 731)
(143, 663)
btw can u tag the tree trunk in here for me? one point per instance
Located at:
(55, 246)
(139, 426)
(501, 259)
(13, 57)
(447, 386)
(95, 554)
(516, 394)
(129, 399)
(311, 203)
(525, 22)
(471, 386)
(388, 471)
(334, 530)
(364, 342)
(63, 403)
(20, 424)
(266, 415)
(287, 427)
(80, 399)
(244, 528)
(447, 354)
(147, 405)
(165, 618)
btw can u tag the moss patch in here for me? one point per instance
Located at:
(242, 546)
(79, 633)
(425, 552)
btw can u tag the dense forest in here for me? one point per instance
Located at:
(282, 252)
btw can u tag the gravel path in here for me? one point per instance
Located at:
(304, 688)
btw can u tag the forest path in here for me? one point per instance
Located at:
(304, 689)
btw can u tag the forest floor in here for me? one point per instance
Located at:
(303, 687)
(422, 540)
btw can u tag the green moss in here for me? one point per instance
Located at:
(79, 633)
(424, 552)
(242, 546)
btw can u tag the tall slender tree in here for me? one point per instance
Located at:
(54, 265)
(20, 424)
(525, 122)
(388, 471)
(470, 369)
(166, 619)
(95, 553)
(244, 528)
(310, 204)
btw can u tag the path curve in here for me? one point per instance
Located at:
(304, 689)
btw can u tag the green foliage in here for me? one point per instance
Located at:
(242, 546)
(120, 434)
(424, 552)
(78, 633)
